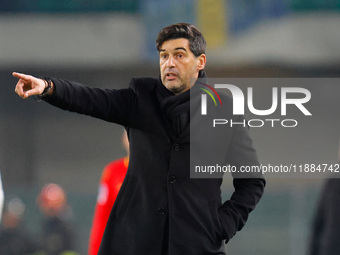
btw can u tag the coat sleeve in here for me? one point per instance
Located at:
(106, 104)
(248, 188)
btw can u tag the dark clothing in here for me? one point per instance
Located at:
(58, 236)
(158, 193)
(16, 241)
(326, 226)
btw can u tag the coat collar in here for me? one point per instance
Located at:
(175, 111)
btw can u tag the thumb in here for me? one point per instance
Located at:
(32, 92)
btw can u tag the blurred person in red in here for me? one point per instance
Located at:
(110, 183)
(58, 236)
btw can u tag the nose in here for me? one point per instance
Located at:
(170, 62)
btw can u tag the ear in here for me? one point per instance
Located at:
(201, 61)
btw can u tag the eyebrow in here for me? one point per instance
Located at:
(178, 48)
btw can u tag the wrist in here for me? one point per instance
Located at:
(48, 88)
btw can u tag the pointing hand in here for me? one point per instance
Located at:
(28, 85)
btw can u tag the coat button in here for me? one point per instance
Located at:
(176, 147)
(172, 179)
(161, 211)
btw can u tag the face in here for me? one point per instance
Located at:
(178, 65)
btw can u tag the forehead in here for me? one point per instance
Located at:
(175, 44)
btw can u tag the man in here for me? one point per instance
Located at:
(58, 233)
(160, 209)
(14, 237)
(325, 231)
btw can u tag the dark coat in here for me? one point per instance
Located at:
(326, 225)
(159, 204)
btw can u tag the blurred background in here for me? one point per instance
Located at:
(106, 43)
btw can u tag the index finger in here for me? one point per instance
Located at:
(21, 76)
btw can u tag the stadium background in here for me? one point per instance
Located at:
(105, 43)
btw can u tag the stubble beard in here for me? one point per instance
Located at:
(177, 89)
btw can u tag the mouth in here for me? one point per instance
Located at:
(170, 76)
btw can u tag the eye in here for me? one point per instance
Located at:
(180, 55)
